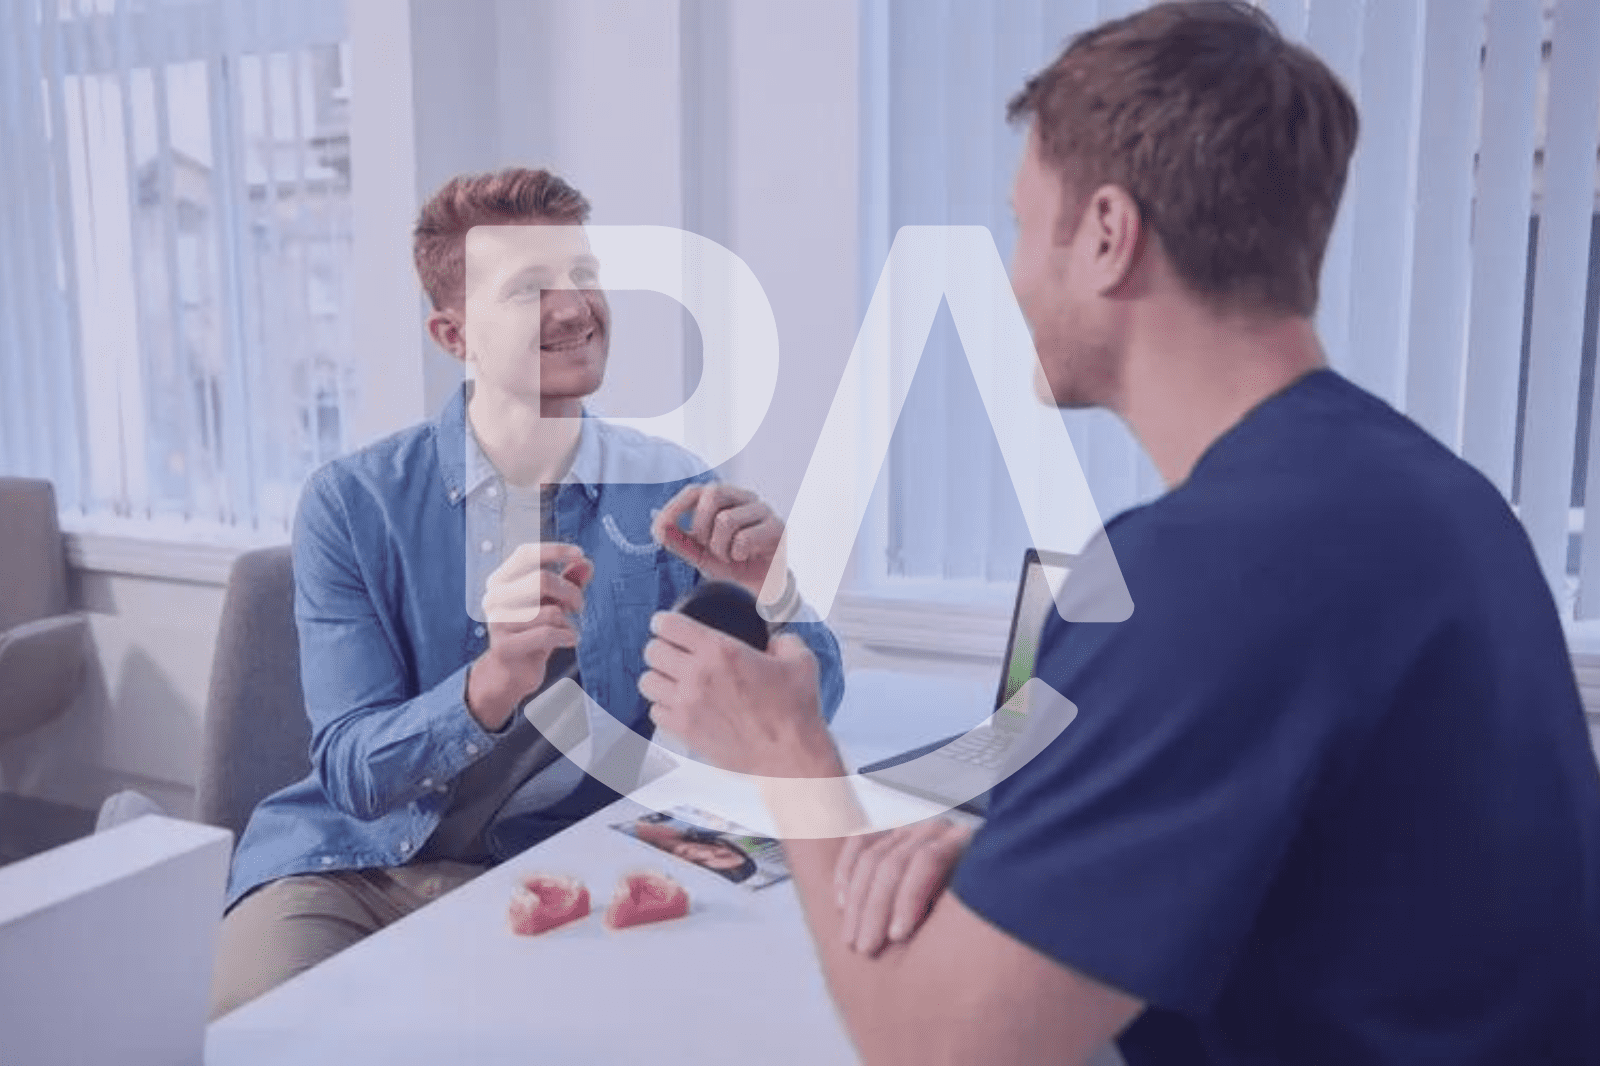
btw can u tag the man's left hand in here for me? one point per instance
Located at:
(745, 710)
(732, 536)
(886, 882)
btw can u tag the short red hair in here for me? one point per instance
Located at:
(512, 195)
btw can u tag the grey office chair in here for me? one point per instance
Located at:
(44, 651)
(43, 645)
(256, 737)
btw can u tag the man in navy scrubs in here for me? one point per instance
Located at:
(1328, 798)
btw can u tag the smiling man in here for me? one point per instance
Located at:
(1328, 797)
(449, 572)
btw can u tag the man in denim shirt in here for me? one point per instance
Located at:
(445, 573)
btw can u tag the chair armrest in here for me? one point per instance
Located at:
(41, 671)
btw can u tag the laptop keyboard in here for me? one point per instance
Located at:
(981, 747)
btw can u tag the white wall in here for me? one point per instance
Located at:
(384, 293)
(793, 176)
(592, 90)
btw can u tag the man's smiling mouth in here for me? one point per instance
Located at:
(570, 342)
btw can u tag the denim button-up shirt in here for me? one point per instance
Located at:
(383, 585)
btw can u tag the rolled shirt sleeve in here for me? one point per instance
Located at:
(830, 667)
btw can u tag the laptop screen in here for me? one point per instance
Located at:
(1042, 575)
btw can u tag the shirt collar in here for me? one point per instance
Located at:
(479, 471)
(449, 441)
(586, 465)
(466, 469)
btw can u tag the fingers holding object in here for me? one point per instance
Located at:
(659, 689)
(730, 522)
(666, 531)
(579, 573)
(675, 508)
(518, 618)
(668, 660)
(713, 502)
(545, 554)
(541, 588)
(543, 638)
(757, 540)
(689, 634)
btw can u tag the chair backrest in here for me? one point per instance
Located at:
(33, 562)
(256, 737)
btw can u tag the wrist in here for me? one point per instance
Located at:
(785, 606)
(490, 694)
(808, 753)
(813, 798)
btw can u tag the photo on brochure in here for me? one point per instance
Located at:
(724, 848)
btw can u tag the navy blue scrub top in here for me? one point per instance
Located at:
(1329, 797)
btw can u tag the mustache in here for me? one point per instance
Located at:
(571, 331)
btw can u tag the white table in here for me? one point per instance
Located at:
(736, 982)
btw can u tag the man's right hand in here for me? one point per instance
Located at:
(530, 603)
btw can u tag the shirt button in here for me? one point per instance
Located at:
(487, 546)
(427, 782)
(455, 494)
(479, 631)
(472, 749)
(327, 860)
(405, 846)
(492, 492)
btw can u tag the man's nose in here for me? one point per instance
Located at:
(564, 303)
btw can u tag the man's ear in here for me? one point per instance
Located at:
(1115, 230)
(446, 329)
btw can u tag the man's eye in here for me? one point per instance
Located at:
(585, 276)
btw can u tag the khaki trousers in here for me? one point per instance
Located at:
(287, 926)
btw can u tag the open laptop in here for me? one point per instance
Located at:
(962, 765)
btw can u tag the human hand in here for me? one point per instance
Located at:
(530, 603)
(754, 712)
(733, 536)
(886, 882)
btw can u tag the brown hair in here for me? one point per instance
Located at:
(1233, 142)
(515, 194)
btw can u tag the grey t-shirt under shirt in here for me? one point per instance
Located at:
(527, 516)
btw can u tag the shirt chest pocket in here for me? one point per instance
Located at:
(635, 558)
(636, 584)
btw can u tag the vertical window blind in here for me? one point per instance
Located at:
(1461, 282)
(175, 238)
